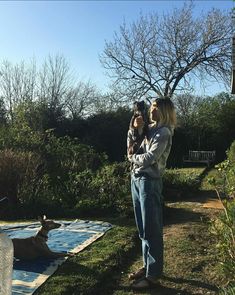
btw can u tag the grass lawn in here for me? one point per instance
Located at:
(205, 185)
(191, 265)
(190, 254)
(94, 269)
(191, 259)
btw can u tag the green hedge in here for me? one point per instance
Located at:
(108, 192)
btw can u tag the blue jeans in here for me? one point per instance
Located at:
(147, 202)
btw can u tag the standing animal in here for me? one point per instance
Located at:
(36, 246)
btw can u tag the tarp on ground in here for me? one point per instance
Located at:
(72, 236)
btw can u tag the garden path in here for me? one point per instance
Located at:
(190, 259)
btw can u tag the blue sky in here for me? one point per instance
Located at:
(77, 30)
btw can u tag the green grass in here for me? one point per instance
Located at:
(92, 271)
(184, 172)
(194, 170)
(96, 270)
(205, 185)
(182, 182)
(230, 290)
(189, 257)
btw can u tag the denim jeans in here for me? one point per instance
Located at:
(147, 202)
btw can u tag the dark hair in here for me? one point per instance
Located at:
(139, 109)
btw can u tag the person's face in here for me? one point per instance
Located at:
(154, 112)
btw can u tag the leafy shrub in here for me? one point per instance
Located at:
(224, 229)
(109, 191)
(70, 167)
(20, 137)
(64, 174)
(43, 171)
(17, 169)
(181, 180)
(224, 226)
(227, 170)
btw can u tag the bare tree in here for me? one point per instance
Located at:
(79, 99)
(54, 81)
(187, 106)
(85, 100)
(52, 86)
(158, 55)
(17, 84)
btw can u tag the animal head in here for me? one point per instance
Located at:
(48, 224)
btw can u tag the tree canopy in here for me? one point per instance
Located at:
(159, 55)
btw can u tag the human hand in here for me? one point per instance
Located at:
(138, 122)
(130, 150)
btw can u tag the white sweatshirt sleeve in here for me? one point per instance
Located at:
(157, 146)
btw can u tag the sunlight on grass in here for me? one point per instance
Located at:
(213, 173)
(92, 269)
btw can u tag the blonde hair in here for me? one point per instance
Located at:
(166, 111)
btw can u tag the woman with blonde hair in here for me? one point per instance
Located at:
(148, 165)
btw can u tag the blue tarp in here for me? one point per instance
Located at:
(71, 236)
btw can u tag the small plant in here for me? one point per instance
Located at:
(224, 226)
(230, 290)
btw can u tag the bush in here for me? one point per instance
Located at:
(224, 226)
(223, 229)
(230, 290)
(70, 167)
(43, 171)
(17, 169)
(178, 181)
(109, 191)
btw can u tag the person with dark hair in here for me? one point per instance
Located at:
(146, 186)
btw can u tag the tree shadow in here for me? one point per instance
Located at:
(171, 215)
(192, 282)
(158, 290)
(199, 196)
(191, 193)
(180, 215)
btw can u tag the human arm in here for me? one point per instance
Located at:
(156, 148)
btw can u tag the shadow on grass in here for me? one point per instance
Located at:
(201, 196)
(195, 283)
(180, 215)
(72, 278)
(158, 290)
(171, 215)
(189, 191)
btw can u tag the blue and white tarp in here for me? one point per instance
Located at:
(72, 236)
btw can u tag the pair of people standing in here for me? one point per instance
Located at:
(148, 164)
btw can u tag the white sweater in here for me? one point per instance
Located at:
(155, 151)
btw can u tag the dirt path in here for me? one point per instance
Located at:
(190, 262)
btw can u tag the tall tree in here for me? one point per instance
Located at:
(187, 107)
(52, 86)
(158, 55)
(17, 84)
(54, 81)
(80, 99)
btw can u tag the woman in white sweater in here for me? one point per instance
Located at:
(148, 165)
